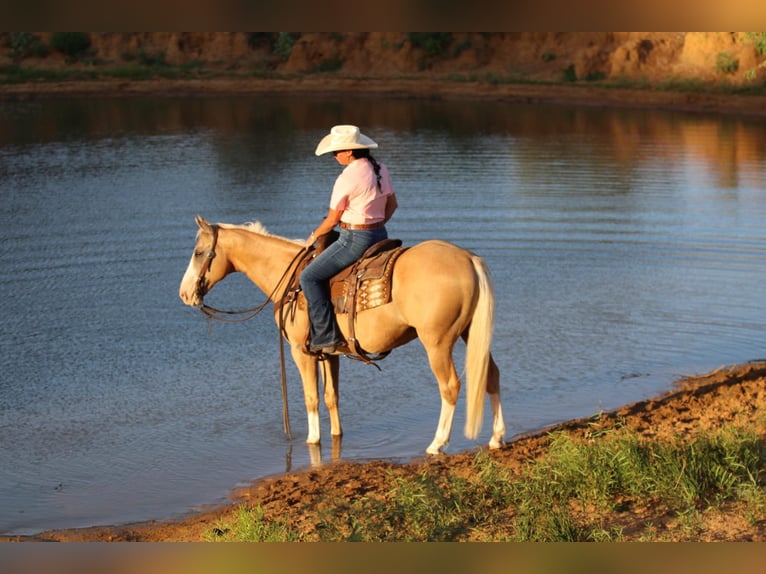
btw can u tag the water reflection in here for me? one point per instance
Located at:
(315, 454)
(726, 148)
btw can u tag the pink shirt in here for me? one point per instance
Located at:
(356, 193)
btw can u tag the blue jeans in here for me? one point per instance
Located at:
(315, 280)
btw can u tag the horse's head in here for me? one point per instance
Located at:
(206, 267)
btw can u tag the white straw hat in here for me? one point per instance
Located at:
(342, 138)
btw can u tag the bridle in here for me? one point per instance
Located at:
(200, 286)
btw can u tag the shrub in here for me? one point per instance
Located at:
(433, 43)
(20, 42)
(257, 39)
(151, 58)
(38, 49)
(71, 44)
(758, 39)
(330, 65)
(283, 45)
(595, 76)
(569, 74)
(25, 44)
(548, 56)
(726, 63)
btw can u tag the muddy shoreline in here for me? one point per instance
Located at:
(408, 87)
(731, 395)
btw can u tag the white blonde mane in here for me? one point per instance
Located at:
(254, 226)
(259, 228)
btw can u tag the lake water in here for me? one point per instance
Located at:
(628, 248)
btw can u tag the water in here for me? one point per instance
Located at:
(627, 247)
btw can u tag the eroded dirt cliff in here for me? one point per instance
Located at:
(544, 56)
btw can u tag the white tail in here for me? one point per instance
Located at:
(478, 349)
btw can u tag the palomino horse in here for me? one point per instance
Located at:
(439, 293)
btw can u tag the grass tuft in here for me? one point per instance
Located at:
(250, 525)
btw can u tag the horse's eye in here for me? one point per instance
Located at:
(198, 252)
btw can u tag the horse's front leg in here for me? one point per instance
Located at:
(330, 375)
(307, 367)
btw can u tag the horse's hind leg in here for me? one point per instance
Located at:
(493, 389)
(443, 367)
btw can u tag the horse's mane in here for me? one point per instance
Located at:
(256, 227)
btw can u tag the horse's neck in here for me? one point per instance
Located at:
(263, 258)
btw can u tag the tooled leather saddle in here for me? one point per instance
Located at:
(365, 284)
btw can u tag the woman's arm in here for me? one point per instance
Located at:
(391, 205)
(327, 225)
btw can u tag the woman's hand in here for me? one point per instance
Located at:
(327, 225)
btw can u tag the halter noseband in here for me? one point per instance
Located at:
(201, 285)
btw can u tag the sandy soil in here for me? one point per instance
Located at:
(734, 395)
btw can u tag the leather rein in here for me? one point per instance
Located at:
(219, 315)
(201, 289)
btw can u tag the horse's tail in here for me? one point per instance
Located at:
(477, 354)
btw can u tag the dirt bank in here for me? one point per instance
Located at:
(728, 396)
(694, 71)
(652, 57)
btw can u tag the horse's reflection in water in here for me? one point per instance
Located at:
(315, 454)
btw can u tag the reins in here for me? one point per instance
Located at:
(213, 313)
(217, 314)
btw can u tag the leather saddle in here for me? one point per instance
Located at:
(365, 284)
(362, 285)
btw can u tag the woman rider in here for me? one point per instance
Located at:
(361, 203)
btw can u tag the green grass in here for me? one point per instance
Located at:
(621, 472)
(248, 525)
(547, 499)
(140, 67)
(19, 74)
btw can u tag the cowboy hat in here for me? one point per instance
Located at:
(342, 138)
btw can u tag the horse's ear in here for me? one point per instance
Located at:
(202, 223)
